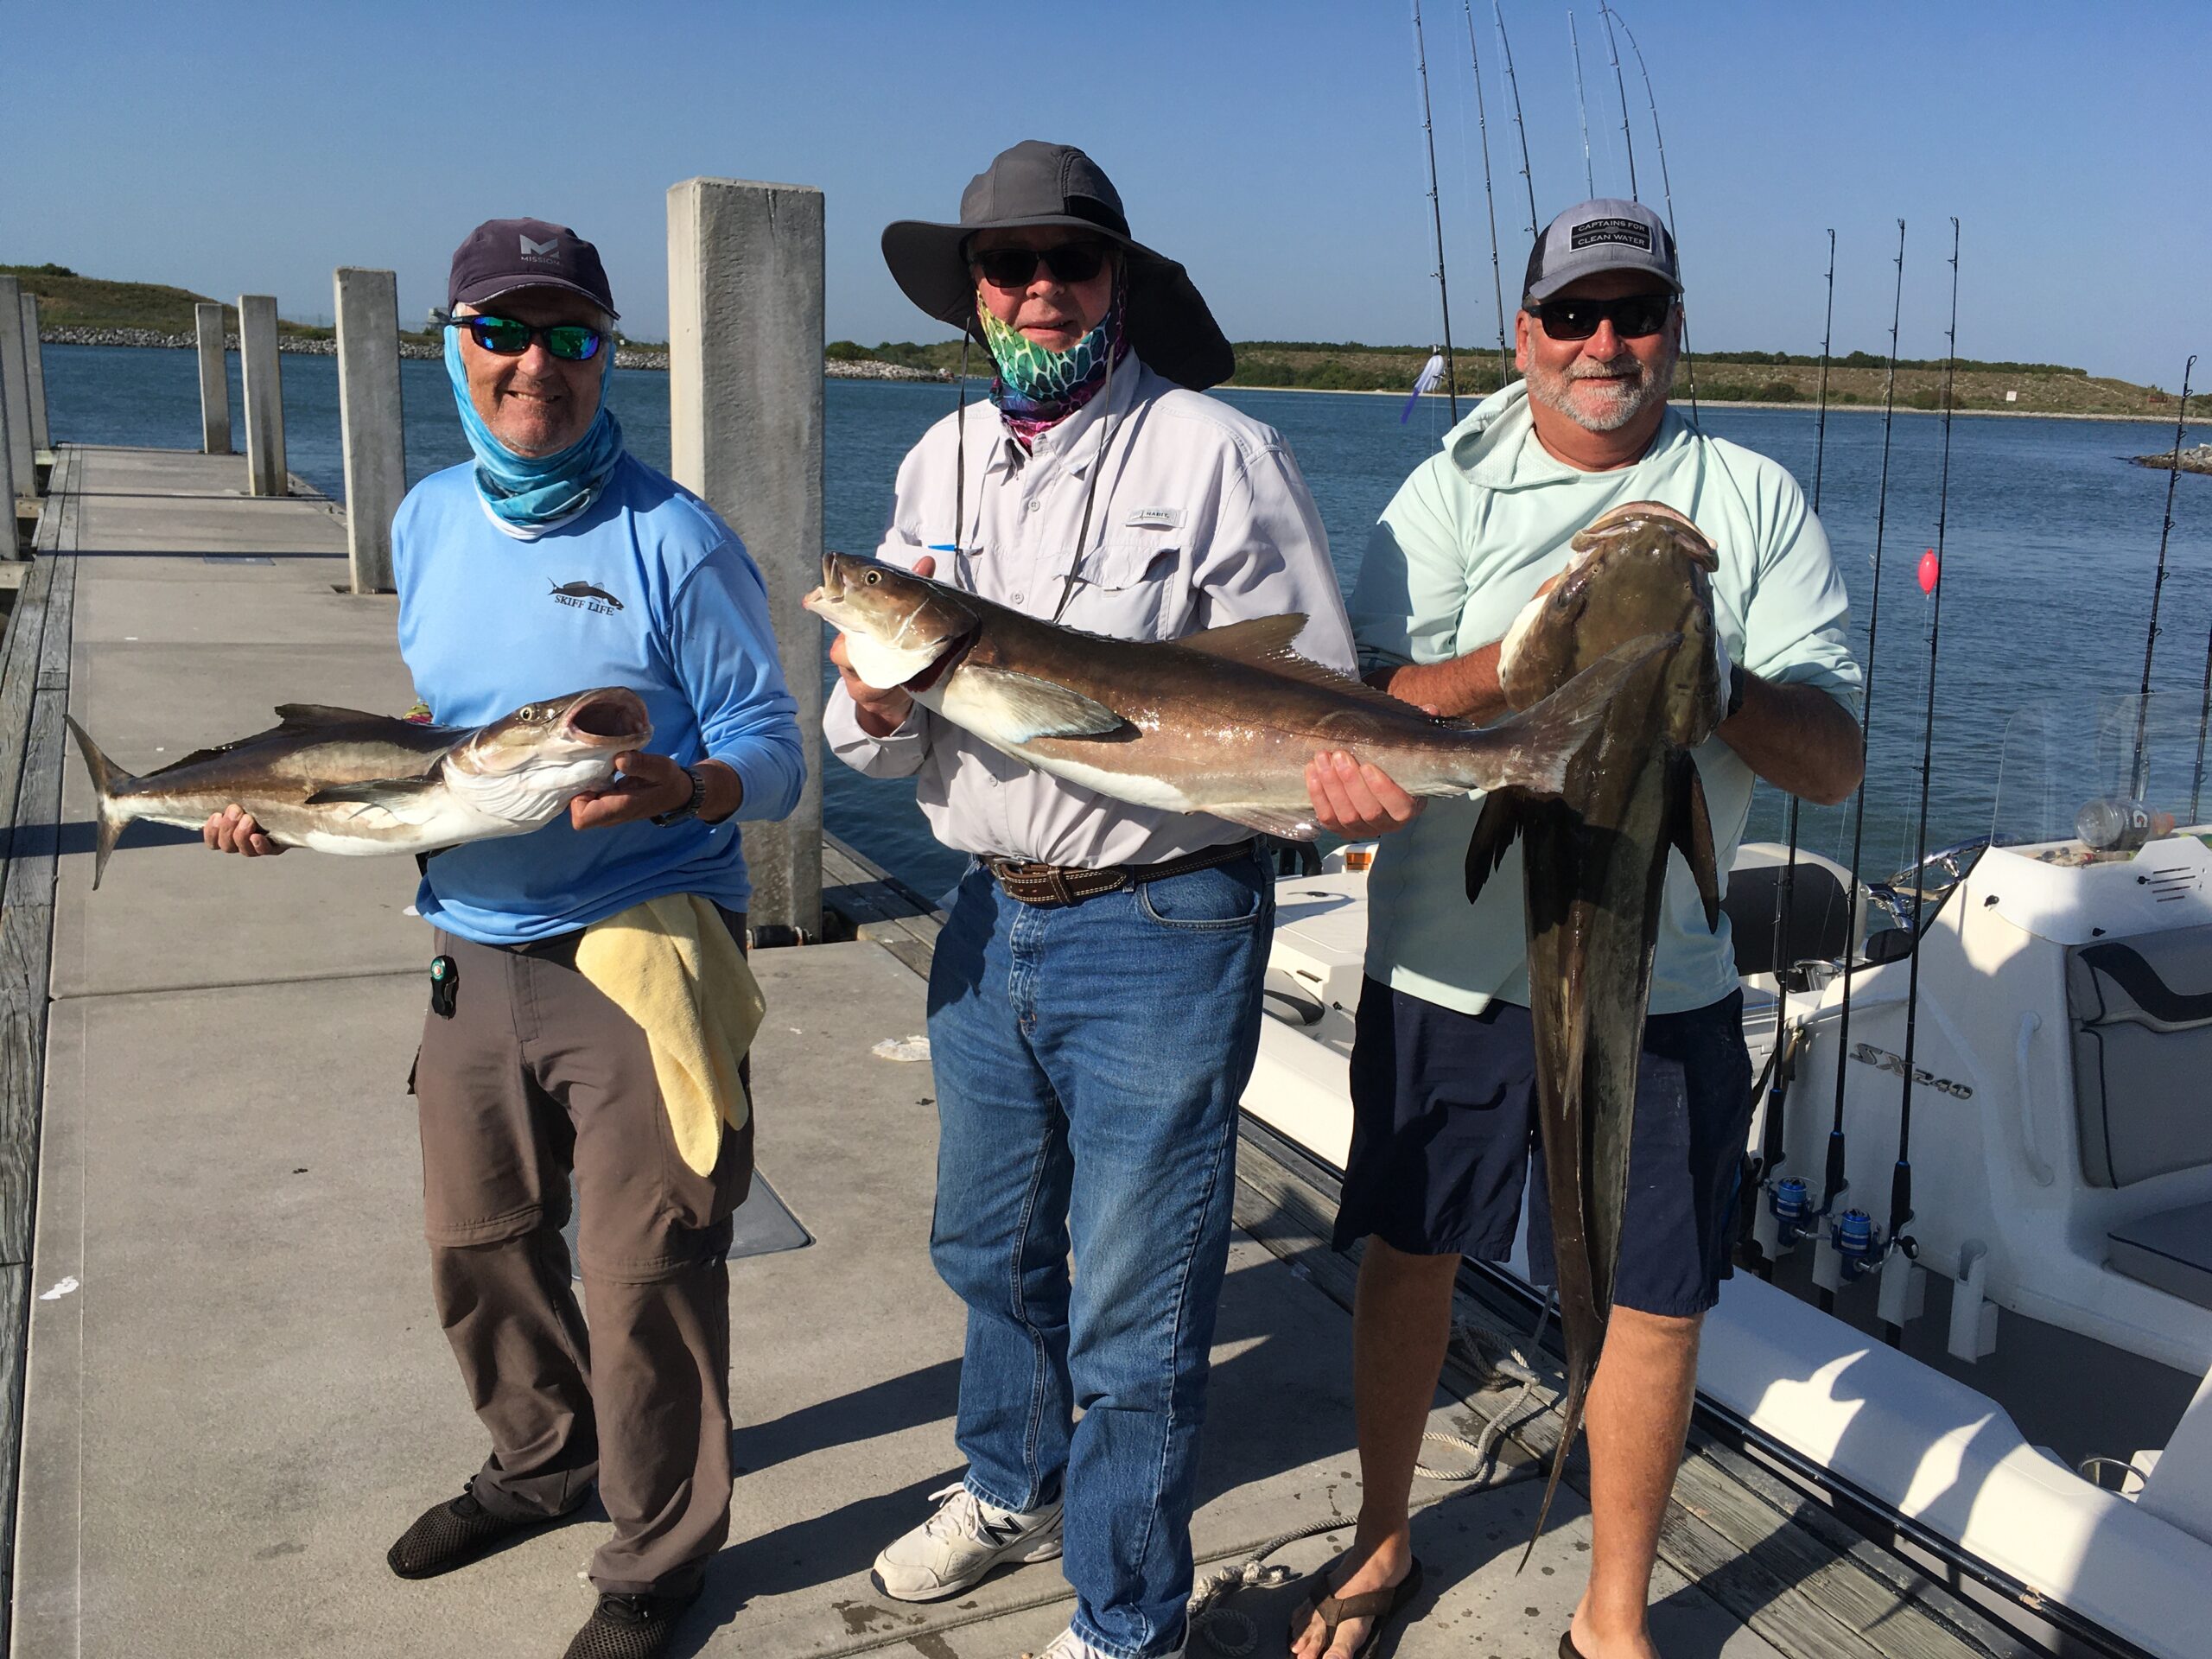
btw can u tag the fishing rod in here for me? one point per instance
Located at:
(1490, 200)
(1782, 1063)
(2136, 778)
(1444, 298)
(1931, 581)
(1513, 85)
(1581, 109)
(1627, 141)
(1666, 183)
(1835, 1181)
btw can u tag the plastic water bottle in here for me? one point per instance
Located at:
(2111, 825)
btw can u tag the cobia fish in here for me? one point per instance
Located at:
(338, 780)
(1595, 868)
(1222, 721)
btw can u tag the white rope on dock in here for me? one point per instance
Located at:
(1491, 1351)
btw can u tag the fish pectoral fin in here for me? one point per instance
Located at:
(1689, 827)
(391, 793)
(1032, 708)
(1256, 639)
(1495, 832)
(1269, 821)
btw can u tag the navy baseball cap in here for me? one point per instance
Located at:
(1607, 234)
(502, 255)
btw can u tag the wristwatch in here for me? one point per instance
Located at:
(690, 808)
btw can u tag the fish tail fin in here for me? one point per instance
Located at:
(1570, 1423)
(1494, 831)
(109, 781)
(1539, 746)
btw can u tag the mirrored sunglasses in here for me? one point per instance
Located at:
(572, 342)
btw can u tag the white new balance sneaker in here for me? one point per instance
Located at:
(1068, 1645)
(965, 1539)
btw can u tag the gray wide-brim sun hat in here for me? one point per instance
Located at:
(1036, 183)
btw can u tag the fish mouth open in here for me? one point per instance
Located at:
(614, 718)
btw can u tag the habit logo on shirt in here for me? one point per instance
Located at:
(595, 599)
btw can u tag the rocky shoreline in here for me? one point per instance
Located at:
(625, 357)
(2198, 459)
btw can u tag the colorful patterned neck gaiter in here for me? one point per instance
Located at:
(1037, 388)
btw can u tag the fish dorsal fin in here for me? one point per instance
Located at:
(1264, 643)
(320, 714)
(1255, 639)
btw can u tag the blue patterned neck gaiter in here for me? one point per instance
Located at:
(531, 492)
(1038, 388)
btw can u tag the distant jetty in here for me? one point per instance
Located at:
(626, 357)
(2198, 459)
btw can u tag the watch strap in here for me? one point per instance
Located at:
(690, 808)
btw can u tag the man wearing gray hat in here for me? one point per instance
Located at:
(1095, 997)
(1443, 1067)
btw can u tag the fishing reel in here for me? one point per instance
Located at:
(1789, 1201)
(1857, 1239)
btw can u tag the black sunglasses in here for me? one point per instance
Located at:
(572, 342)
(1070, 261)
(1633, 317)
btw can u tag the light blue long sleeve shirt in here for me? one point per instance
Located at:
(660, 597)
(1464, 543)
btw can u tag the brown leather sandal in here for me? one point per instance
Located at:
(1380, 1606)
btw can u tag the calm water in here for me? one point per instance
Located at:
(2051, 541)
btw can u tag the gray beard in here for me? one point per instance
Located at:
(1619, 404)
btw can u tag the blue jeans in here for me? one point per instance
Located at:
(1089, 1059)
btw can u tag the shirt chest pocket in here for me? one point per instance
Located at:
(1131, 589)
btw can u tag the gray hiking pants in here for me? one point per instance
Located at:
(536, 1075)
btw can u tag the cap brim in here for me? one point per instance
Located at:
(493, 287)
(1170, 326)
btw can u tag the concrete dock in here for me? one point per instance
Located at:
(236, 1395)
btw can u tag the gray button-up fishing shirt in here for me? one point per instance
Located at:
(1201, 518)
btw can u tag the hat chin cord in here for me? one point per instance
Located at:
(1089, 488)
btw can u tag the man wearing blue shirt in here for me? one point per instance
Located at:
(554, 561)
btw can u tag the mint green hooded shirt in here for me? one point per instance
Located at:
(1462, 547)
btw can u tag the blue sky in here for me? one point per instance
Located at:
(1274, 148)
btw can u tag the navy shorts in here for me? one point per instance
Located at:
(1444, 1125)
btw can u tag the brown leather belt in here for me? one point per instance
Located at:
(1067, 884)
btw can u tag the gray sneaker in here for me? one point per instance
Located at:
(965, 1539)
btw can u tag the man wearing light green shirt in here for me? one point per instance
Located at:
(1443, 1071)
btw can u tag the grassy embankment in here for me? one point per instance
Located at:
(1722, 377)
(68, 300)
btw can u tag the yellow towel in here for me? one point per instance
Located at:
(671, 964)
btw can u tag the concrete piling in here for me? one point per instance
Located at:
(372, 431)
(215, 380)
(41, 435)
(265, 396)
(15, 391)
(745, 275)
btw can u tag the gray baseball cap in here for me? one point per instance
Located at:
(1607, 234)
